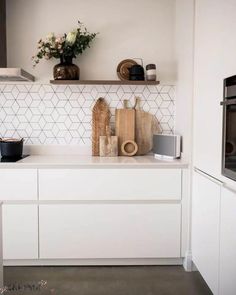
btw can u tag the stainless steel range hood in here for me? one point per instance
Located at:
(15, 74)
(8, 74)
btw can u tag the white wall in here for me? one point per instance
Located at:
(128, 28)
(184, 37)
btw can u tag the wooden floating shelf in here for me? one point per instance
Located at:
(103, 82)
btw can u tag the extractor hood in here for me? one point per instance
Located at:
(15, 74)
(8, 74)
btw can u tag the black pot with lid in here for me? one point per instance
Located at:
(136, 73)
(11, 147)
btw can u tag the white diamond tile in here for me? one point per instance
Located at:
(35, 88)
(113, 89)
(87, 88)
(68, 92)
(8, 95)
(22, 88)
(50, 114)
(61, 95)
(15, 92)
(127, 89)
(8, 88)
(120, 92)
(60, 88)
(165, 89)
(74, 89)
(48, 88)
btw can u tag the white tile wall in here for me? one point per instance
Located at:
(49, 114)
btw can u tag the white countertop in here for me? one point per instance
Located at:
(74, 161)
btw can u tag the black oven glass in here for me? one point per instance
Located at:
(229, 128)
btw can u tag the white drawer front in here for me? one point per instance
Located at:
(110, 184)
(18, 184)
(20, 231)
(109, 231)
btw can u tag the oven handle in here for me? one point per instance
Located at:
(228, 102)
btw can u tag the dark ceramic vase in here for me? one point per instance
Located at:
(66, 70)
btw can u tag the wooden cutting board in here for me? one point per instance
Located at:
(100, 121)
(145, 126)
(125, 126)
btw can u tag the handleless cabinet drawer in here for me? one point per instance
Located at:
(18, 184)
(20, 231)
(110, 184)
(93, 231)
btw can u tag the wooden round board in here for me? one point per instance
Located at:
(123, 68)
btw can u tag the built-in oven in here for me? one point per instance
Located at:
(229, 128)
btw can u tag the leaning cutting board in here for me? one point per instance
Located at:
(145, 126)
(125, 127)
(100, 121)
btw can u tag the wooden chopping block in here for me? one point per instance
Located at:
(125, 126)
(108, 145)
(100, 120)
(145, 126)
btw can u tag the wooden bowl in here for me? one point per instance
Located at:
(123, 68)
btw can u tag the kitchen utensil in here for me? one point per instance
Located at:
(123, 68)
(108, 145)
(129, 148)
(151, 72)
(100, 119)
(136, 73)
(125, 125)
(11, 147)
(145, 126)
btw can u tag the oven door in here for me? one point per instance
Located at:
(229, 138)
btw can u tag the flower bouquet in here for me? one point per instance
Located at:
(65, 48)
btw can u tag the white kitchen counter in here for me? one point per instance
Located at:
(74, 161)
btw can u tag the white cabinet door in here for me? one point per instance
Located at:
(110, 184)
(208, 82)
(228, 243)
(205, 228)
(18, 184)
(110, 231)
(20, 231)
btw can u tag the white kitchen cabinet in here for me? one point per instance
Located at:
(206, 228)
(18, 184)
(228, 243)
(20, 231)
(208, 86)
(110, 184)
(109, 231)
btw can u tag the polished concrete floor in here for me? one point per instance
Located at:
(127, 280)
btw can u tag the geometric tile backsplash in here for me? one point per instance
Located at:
(62, 114)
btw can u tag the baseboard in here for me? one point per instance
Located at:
(94, 262)
(188, 263)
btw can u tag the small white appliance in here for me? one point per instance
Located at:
(167, 146)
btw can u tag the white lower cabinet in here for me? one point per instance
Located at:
(110, 184)
(18, 184)
(228, 243)
(109, 231)
(206, 228)
(20, 231)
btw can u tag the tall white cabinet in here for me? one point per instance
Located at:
(214, 210)
(228, 243)
(206, 227)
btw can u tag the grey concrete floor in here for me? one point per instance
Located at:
(105, 280)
